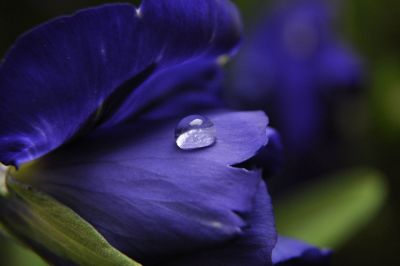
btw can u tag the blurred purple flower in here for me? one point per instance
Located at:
(289, 64)
(290, 252)
(93, 99)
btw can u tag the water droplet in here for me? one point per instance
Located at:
(195, 132)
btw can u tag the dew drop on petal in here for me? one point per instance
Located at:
(195, 132)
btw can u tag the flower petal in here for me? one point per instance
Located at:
(290, 252)
(253, 248)
(271, 158)
(190, 86)
(152, 200)
(57, 76)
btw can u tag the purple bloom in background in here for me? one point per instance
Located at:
(290, 252)
(92, 101)
(290, 65)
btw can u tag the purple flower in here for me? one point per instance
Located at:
(89, 108)
(290, 252)
(289, 65)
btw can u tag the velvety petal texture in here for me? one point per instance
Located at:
(158, 203)
(288, 66)
(269, 158)
(188, 87)
(291, 252)
(253, 247)
(72, 74)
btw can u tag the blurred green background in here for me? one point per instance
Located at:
(354, 209)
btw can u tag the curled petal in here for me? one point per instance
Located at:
(71, 74)
(189, 87)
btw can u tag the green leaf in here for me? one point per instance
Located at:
(4, 232)
(330, 212)
(48, 223)
(18, 255)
